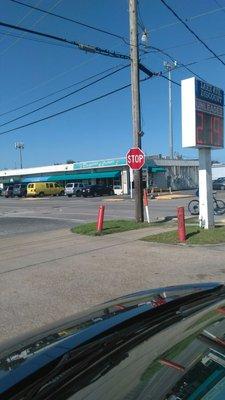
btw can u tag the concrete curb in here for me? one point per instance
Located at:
(173, 196)
(112, 200)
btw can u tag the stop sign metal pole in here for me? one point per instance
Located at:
(135, 89)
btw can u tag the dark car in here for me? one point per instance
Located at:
(8, 192)
(219, 184)
(97, 190)
(20, 190)
(160, 344)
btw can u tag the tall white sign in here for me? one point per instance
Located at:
(202, 128)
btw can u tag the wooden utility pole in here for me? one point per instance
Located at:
(136, 112)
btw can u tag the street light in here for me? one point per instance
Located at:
(144, 37)
(169, 67)
(20, 146)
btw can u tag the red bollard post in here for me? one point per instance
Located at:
(181, 224)
(100, 220)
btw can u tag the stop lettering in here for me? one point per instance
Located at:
(135, 158)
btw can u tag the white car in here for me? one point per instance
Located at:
(74, 189)
(118, 190)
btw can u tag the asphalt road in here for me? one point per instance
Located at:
(38, 215)
(20, 225)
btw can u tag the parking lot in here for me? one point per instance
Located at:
(24, 215)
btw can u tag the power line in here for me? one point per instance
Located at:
(192, 32)
(6, 33)
(193, 17)
(70, 45)
(71, 108)
(33, 24)
(80, 46)
(186, 44)
(220, 7)
(24, 17)
(53, 78)
(173, 59)
(140, 20)
(60, 90)
(171, 80)
(85, 103)
(64, 97)
(195, 41)
(69, 19)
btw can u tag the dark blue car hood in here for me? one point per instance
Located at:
(122, 347)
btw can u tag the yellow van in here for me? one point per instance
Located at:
(41, 189)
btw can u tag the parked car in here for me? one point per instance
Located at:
(8, 192)
(41, 189)
(74, 189)
(97, 190)
(159, 344)
(20, 190)
(219, 184)
(118, 190)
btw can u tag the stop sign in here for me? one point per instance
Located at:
(135, 158)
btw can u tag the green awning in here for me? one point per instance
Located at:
(10, 181)
(77, 177)
(156, 169)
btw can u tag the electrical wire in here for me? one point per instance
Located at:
(116, 35)
(52, 79)
(89, 48)
(69, 19)
(180, 64)
(80, 46)
(6, 33)
(170, 80)
(145, 46)
(61, 74)
(85, 103)
(193, 17)
(194, 42)
(218, 4)
(60, 90)
(192, 32)
(33, 24)
(71, 108)
(65, 96)
(23, 18)
(140, 20)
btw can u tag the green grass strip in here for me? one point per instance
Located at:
(113, 226)
(195, 235)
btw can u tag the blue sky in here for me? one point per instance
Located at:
(31, 69)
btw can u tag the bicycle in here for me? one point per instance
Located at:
(218, 206)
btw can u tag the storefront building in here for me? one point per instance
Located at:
(158, 172)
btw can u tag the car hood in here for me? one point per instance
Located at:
(151, 342)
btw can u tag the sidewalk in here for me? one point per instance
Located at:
(46, 277)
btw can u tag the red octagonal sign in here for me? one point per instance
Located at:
(135, 158)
